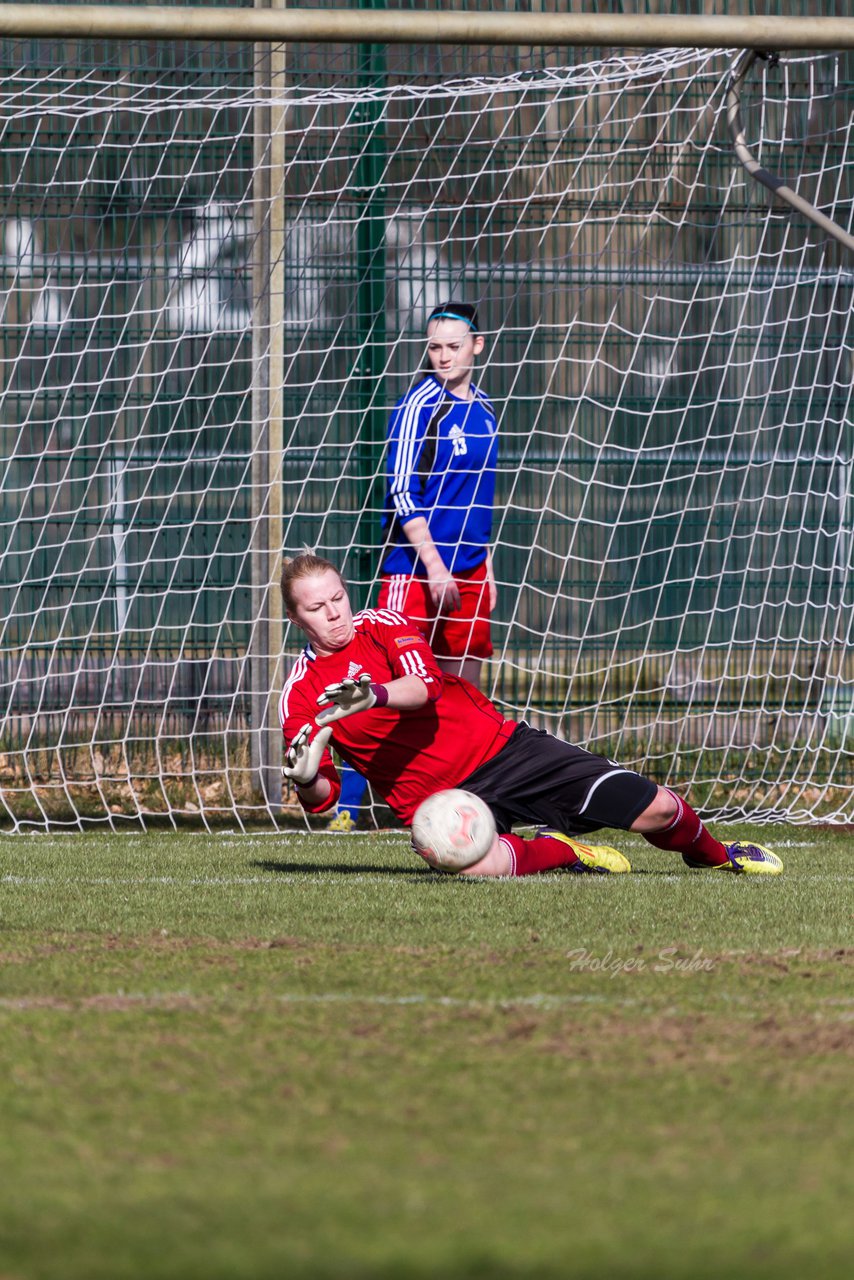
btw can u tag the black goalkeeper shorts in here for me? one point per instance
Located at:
(539, 780)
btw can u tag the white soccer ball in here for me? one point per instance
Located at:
(453, 829)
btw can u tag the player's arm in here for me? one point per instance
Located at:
(490, 580)
(406, 436)
(318, 797)
(349, 696)
(444, 591)
(416, 678)
(308, 763)
(406, 693)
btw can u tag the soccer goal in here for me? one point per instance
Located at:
(217, 259)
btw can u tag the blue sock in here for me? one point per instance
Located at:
(353, 788)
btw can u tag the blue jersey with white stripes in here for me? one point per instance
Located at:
(442, 455)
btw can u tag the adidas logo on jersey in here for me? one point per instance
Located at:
(353, 670)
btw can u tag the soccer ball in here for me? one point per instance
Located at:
(453, 829)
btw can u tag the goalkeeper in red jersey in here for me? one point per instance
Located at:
(369, 685)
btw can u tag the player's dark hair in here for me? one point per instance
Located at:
(456, 311)
(305, 565)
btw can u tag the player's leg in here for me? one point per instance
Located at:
(498, 862)
(407, 594)
(511, 855)
(536, 778)
(670, 823)
(461, 639)
(527, 783)
(351, 799)
(466, 668)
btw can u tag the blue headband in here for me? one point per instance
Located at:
(452, 315)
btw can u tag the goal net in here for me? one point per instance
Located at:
(216, 268)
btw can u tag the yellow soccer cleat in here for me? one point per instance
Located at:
(600, 859)
(343, 821)
(745, 859)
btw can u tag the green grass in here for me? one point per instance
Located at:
(292, 1056)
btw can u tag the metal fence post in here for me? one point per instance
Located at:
(370, 198)
(267, 426)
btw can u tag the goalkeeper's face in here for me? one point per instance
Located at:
(321, 609)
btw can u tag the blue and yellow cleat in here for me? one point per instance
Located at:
(744, 859)
(600, 859)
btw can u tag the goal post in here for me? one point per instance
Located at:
(219, 242)
(399, 26)
(268, 378)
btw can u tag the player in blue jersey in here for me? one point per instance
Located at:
(442, 453)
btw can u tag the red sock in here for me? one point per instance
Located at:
(686, 834)
(540, 854)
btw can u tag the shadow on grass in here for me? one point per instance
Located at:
(424, 875)
(344, 869)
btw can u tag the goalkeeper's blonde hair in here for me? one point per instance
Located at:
(305, 565)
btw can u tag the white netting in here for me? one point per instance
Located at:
(216, 269)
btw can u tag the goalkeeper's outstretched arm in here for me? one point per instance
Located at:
(406, 693)
(305, 755)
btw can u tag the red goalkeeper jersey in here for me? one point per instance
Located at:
(405, 755)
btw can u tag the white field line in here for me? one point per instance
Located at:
(166, 998)
(256, 837)
(264, 837)
(177, 1001)
(539, 1001)
(159, 998)
(795, 844)
(194, 881)
(322, 878)
(270, 880)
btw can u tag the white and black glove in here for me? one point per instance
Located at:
(350, 696)
(303, 756)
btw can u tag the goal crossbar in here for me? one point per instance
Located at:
(393, 27)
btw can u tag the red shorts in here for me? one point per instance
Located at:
(461, 634)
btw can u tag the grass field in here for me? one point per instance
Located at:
(292, 1056)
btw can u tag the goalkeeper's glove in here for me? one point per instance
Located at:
(303, 756)
(350, 696)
